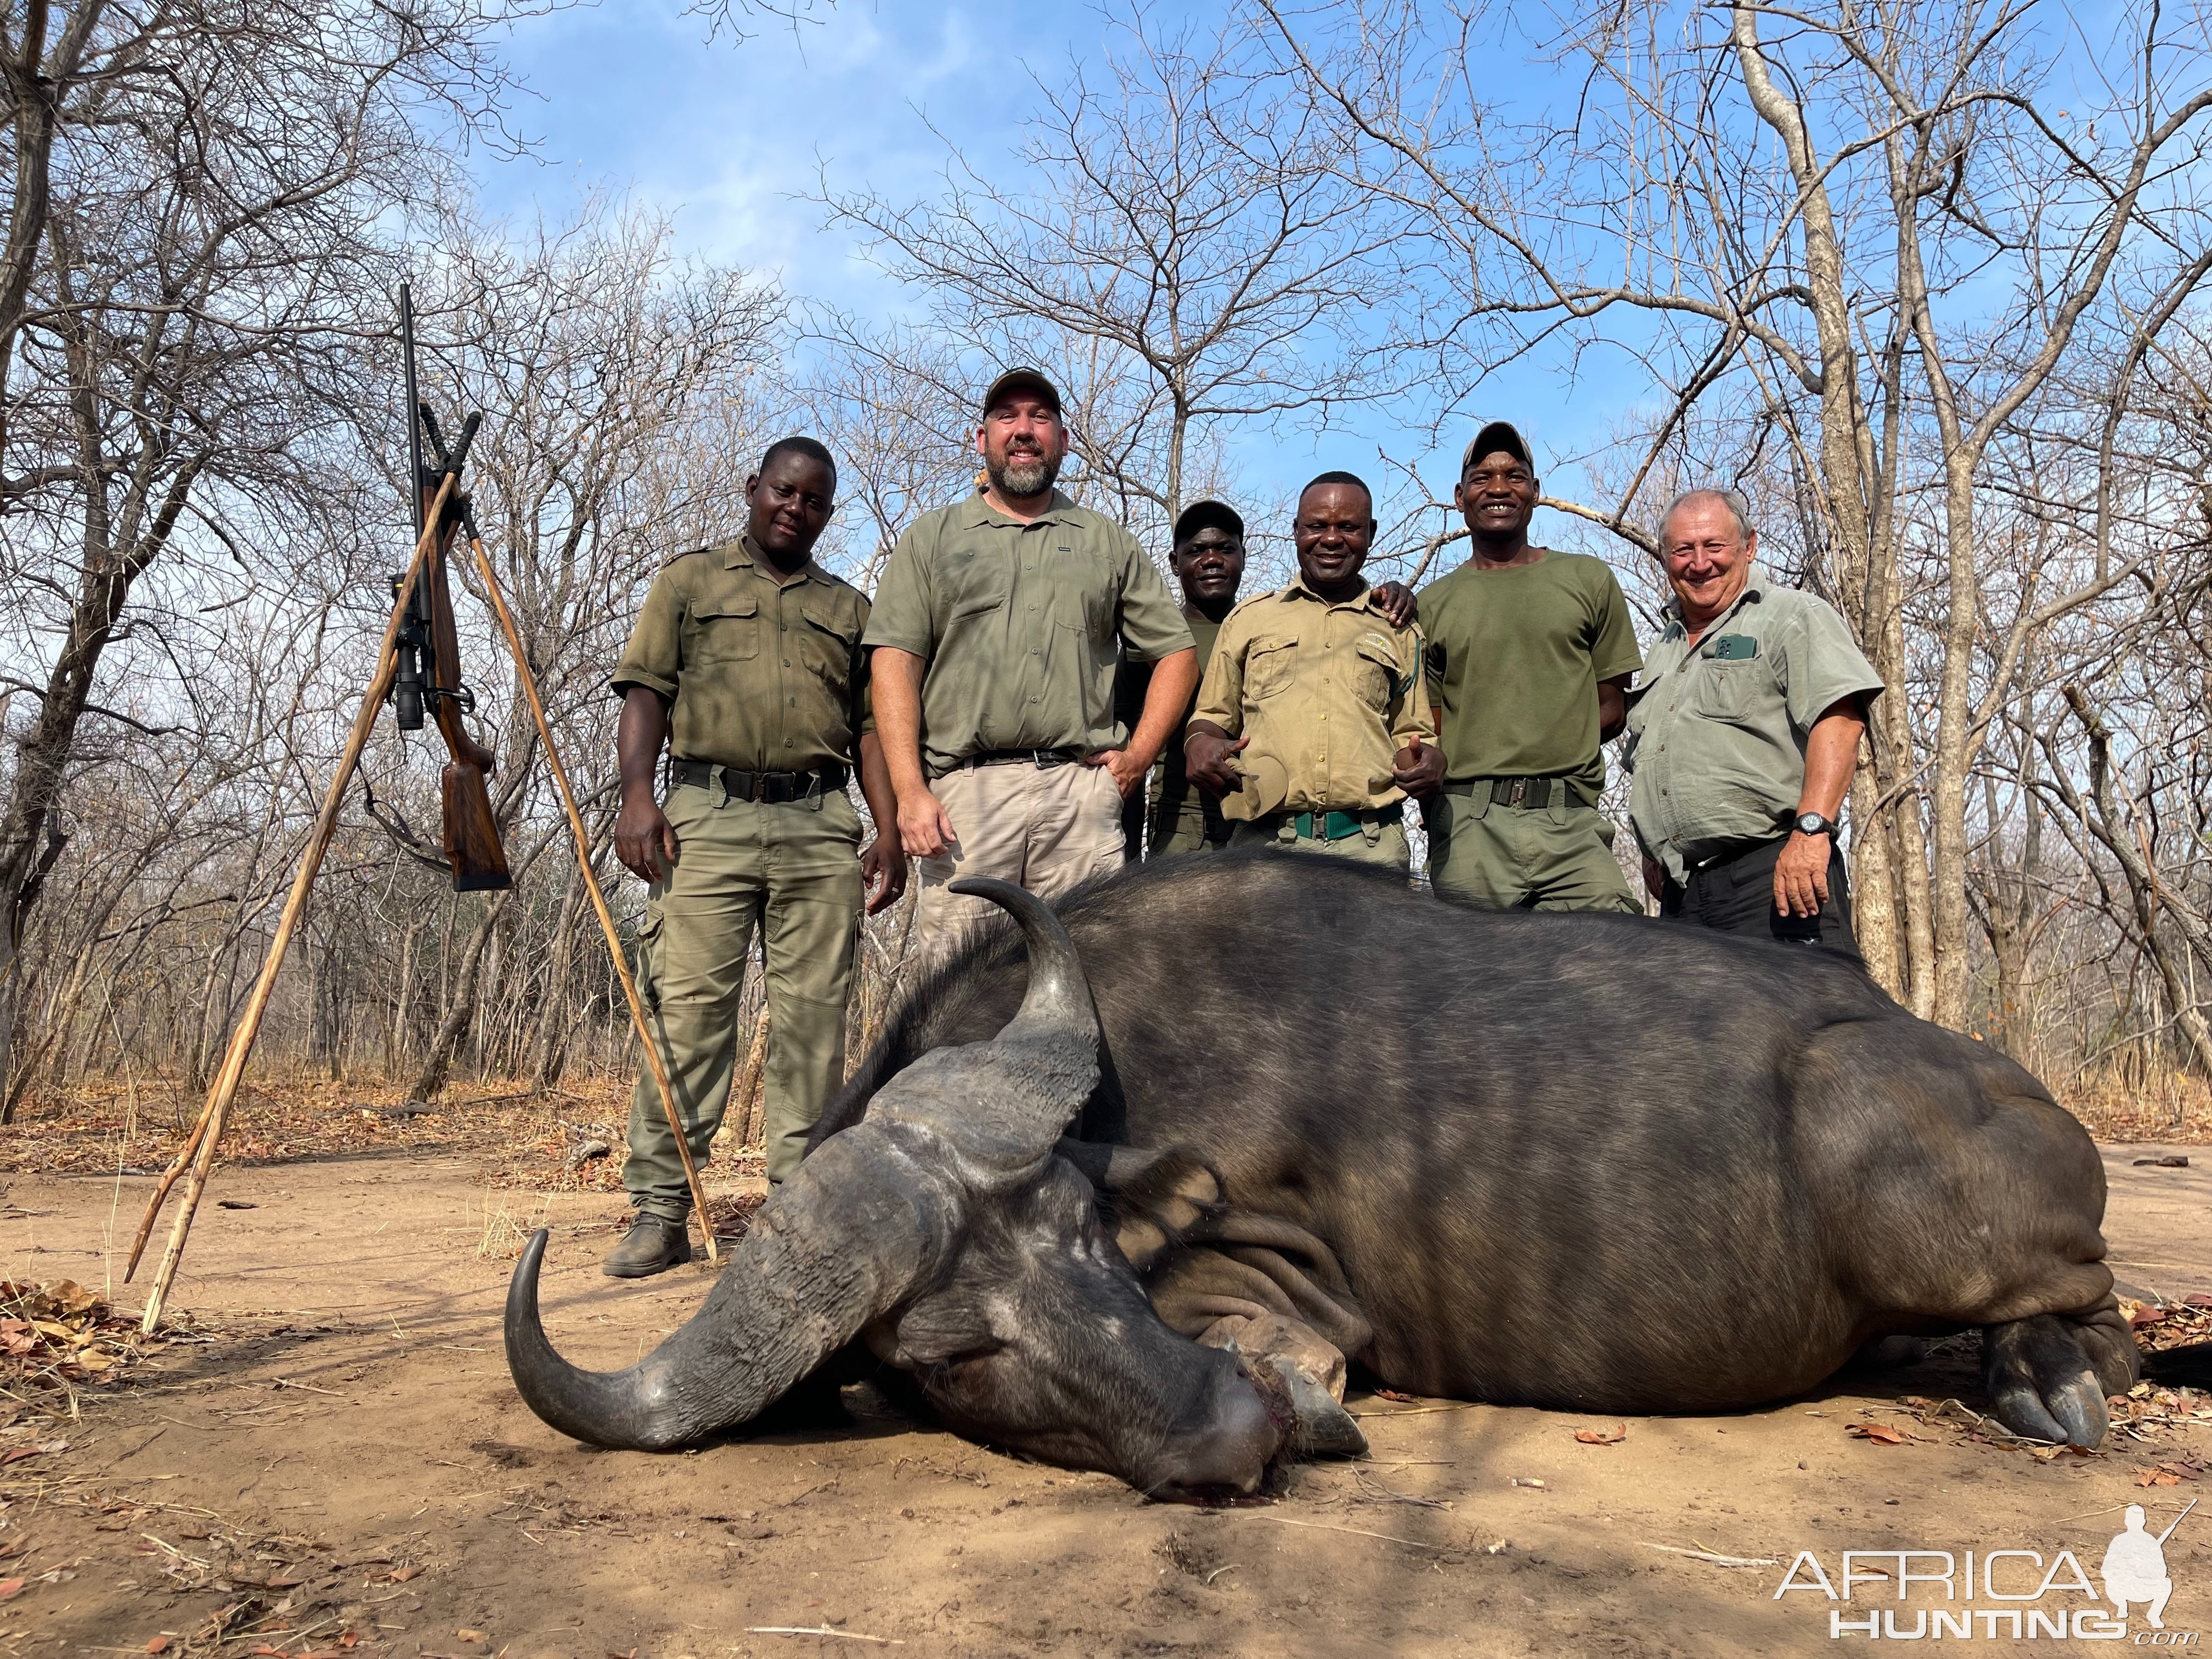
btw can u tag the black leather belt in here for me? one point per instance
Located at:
(1538, 792)
(769, 786)
(1022, 758)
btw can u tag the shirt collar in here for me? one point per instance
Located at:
(745, 551)
(1364, 600)
(1754, 590)
(980, 513)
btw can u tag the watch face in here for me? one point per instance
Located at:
(1812, 823)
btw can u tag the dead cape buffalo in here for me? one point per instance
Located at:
(1576, 1161)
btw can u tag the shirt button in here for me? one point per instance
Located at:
(786, 743)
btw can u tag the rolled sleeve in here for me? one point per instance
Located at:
(903, 617)
(1151, 623)
(1412, 712)
(1822, 665)
(654, 655)
(1221, 697)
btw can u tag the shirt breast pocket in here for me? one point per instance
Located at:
(1379, 673)
(827, 642)
(1083, 596)
(1268, 665)
(975, 582)
(1726, 690)
(724, 630)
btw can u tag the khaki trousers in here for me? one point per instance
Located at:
(1371, 843)
(1045, 828)
(792, 869)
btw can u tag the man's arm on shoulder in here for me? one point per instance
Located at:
(1613, 706)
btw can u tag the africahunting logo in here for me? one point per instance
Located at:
(1940, 1593)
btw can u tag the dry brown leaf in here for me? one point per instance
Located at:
(398, 1575)
(1880, 1433)
(1612, 1436)
(11, 1587)
(158, 1644)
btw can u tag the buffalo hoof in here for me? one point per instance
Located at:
(2041, 1381)
(1310, 1368)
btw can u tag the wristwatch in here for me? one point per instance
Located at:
(1812, 823)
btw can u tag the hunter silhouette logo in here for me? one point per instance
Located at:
(2134, 1567)
(1998, 1595)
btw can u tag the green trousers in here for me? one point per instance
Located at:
(1371, 843)
(1495, 857)
(1183, 831)
(794, 871)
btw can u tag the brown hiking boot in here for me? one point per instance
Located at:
(651, 1245)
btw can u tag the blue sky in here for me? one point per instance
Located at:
(730, 137)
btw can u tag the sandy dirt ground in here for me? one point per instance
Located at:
(344, 1468)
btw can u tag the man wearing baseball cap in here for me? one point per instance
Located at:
(997, 628)
(1529, 656)
(1208, 559)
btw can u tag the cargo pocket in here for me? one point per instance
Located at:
(1268, 665)
(648, 937)
(726, 631)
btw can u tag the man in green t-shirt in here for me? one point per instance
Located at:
(1208, 558)
(1529, 656)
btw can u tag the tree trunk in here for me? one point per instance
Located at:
(460, 1011)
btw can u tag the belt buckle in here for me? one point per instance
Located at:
(1520, 792)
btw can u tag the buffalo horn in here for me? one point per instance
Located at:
(849, 1236)
(871, 1216)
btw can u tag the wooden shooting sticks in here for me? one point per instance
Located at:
(443, 509)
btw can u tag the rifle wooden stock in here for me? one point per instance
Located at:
(472, 833)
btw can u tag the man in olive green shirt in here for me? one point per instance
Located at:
(998, 626)
(1313, 723)
(1209, 564)
(1743, 737)
(1529, 656)
(746, 660)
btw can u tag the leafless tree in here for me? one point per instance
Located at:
(1185, 250)
(1876, 242)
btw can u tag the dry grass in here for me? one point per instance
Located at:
(526, 1135)
(2170, 1106)
(504, 1233)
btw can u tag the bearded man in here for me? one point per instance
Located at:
(998, 627)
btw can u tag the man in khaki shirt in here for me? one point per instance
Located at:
(1314, 722)
(746, 660)
(998, 625)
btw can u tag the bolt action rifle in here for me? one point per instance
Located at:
(428, 671)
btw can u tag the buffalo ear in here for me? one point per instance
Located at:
(1156, 1195)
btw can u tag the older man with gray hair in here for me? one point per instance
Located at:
(1742, 737)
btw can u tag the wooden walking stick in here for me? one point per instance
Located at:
(653, 1055)
(208, 1131)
